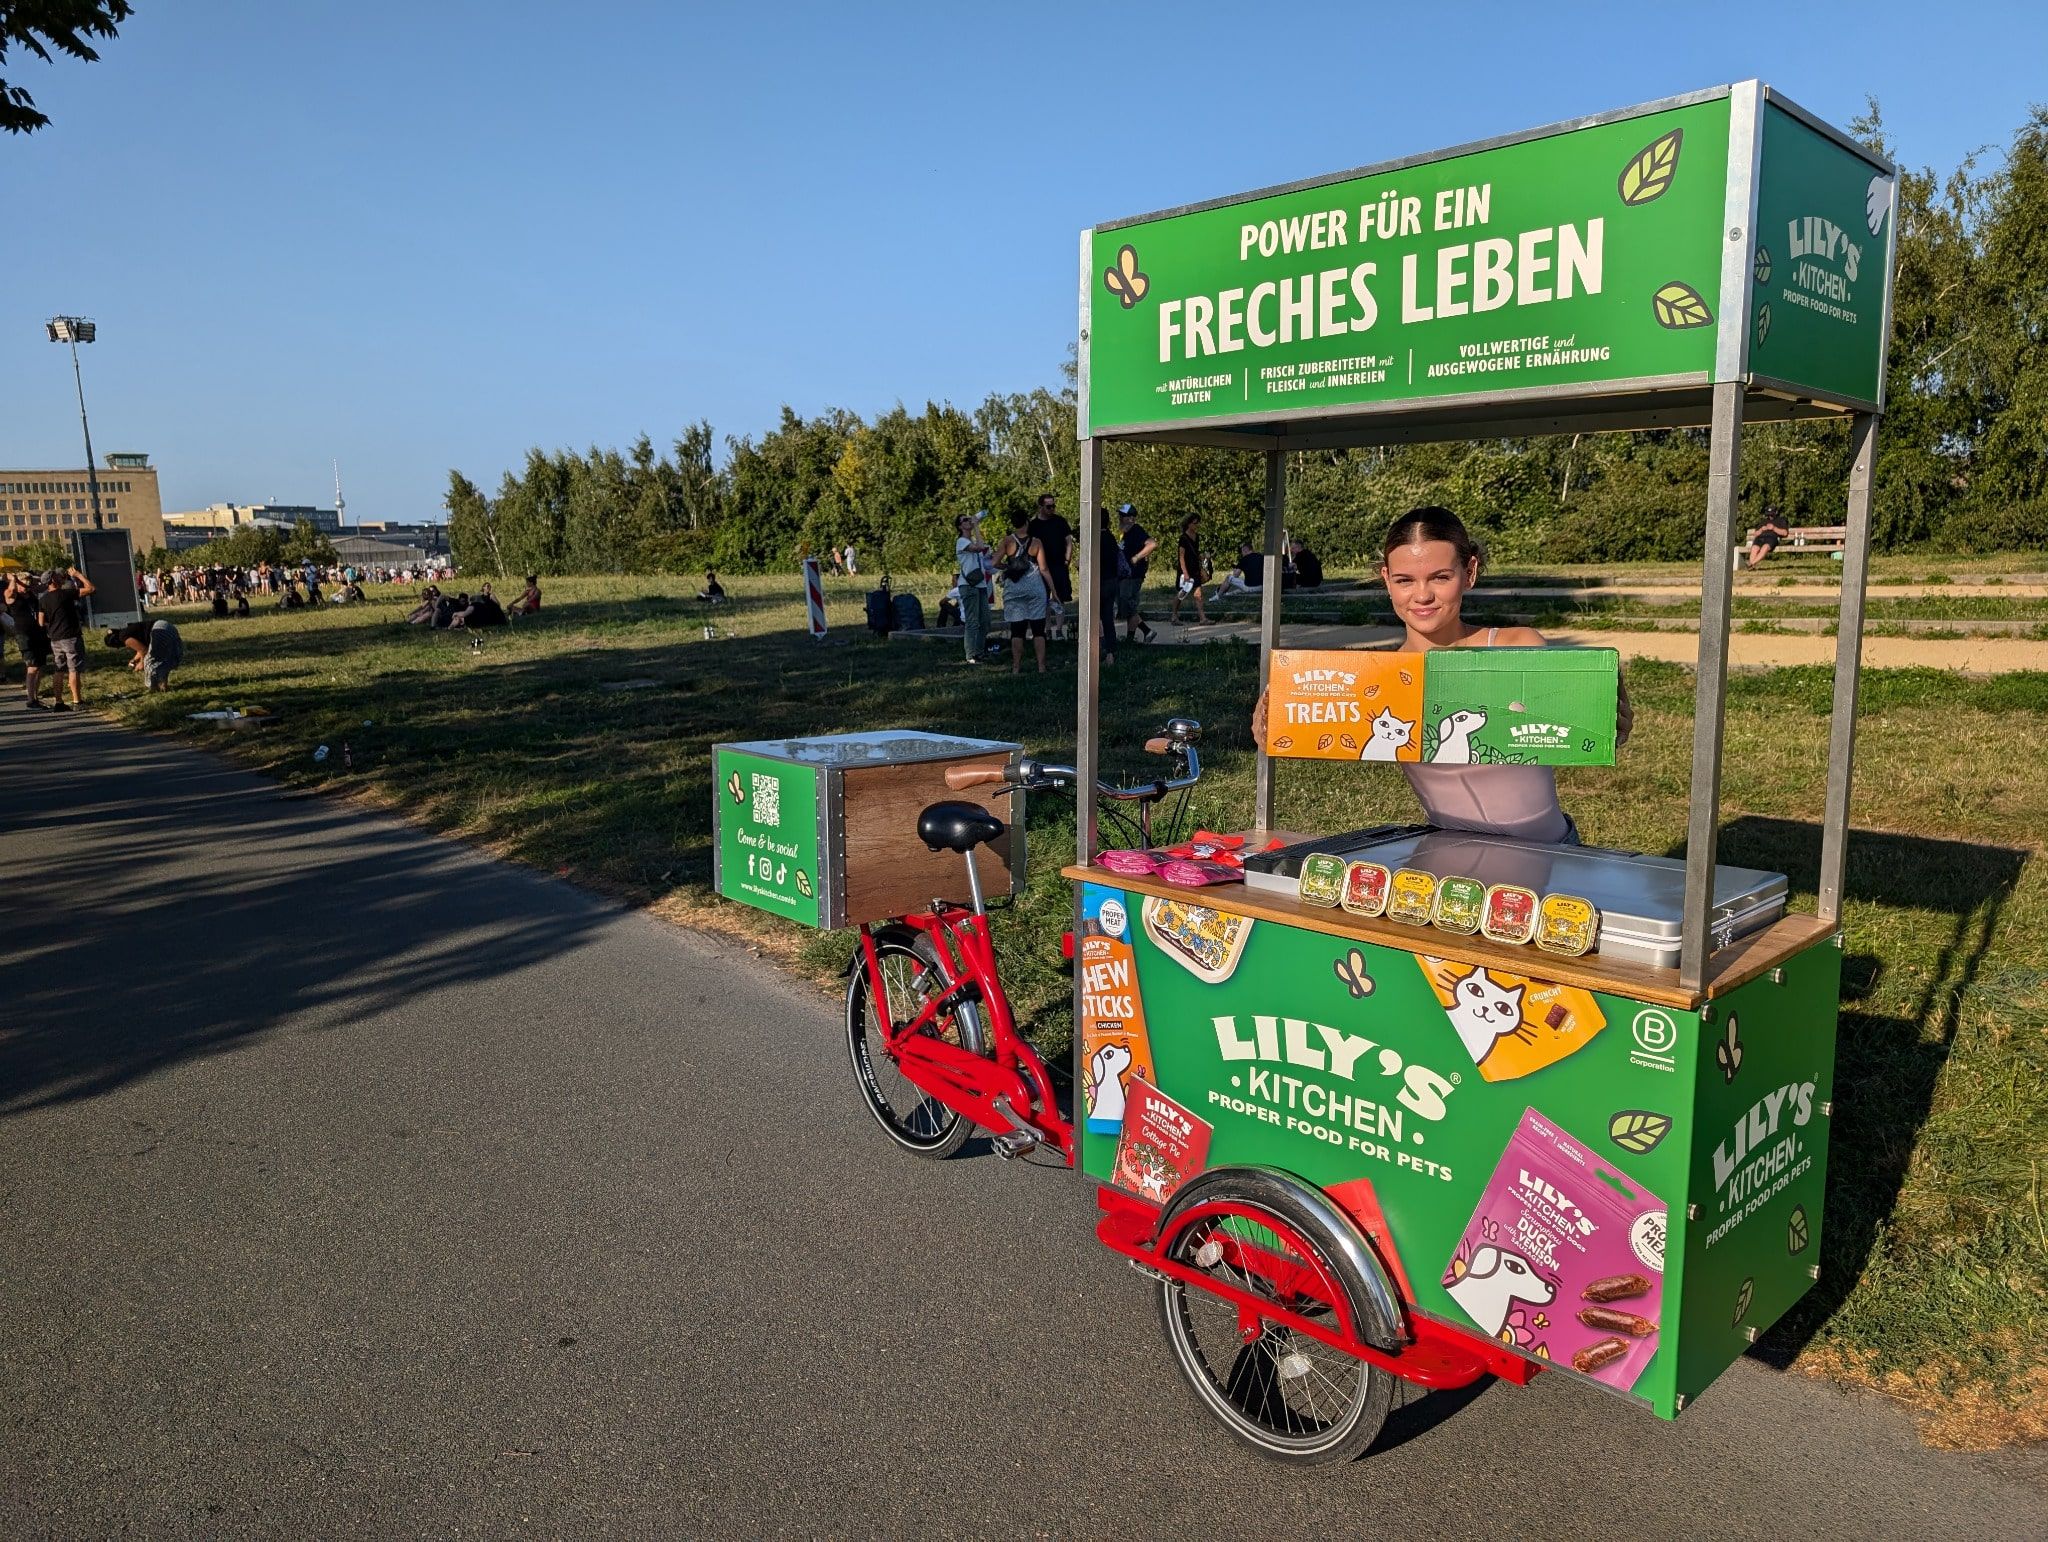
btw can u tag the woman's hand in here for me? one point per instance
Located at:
(1624, 714)
(1259, 722)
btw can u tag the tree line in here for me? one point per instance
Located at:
(1962, 459)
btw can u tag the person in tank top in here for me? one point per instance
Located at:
(1428, 564)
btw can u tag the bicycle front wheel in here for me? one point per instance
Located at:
(911, 976)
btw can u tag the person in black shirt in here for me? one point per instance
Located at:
(19, 598)
(1055, 537)
(1187, 578)
(1304, 568)
(1138, 547)
(57, 607)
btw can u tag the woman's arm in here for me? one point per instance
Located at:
(1044, 572)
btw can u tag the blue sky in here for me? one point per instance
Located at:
(429, 235)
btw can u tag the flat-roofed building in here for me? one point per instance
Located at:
(229, 516)
(50, 504)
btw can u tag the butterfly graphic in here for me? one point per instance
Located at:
(1351, 970)
(1729, 1052)
(1123, 279)
(732, 785)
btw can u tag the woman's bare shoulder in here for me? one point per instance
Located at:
(1518, 637)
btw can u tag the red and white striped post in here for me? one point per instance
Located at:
(814, 597)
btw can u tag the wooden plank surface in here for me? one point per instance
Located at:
(888, 870)
(1735, 965)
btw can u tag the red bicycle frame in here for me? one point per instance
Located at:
(1007, 1091)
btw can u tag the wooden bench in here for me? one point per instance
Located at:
(1801, 538)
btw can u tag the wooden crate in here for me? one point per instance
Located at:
(844, 847)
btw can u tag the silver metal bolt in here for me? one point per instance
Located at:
(1827, 1109)
(1813, 1271)
(1777, 977)
(1692, 1212)
(1750, 1334)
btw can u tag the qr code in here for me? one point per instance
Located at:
(767, 800)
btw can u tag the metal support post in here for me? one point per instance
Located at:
(1834, 829)
(1264, 791)
(1710, 685)
(1088, 653)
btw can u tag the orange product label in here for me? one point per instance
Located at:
(1511, 1024)
(1340, 704)
(1114, 1044)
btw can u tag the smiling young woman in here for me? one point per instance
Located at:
(1429, 563)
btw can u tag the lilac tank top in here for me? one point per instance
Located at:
(1520, 801)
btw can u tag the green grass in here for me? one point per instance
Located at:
(1935, 1276)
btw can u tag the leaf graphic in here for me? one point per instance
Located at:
(1650, 170)
(1796, 1235)
(1678, 306)
(1763, 321)
(1742, 1300)
(1638, 1130)
(1762, 266)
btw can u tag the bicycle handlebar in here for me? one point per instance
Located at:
(960, 778)
(1029, 773)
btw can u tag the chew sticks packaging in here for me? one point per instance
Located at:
(1564, 1258)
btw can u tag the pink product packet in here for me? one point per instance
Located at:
(1564, 1258)
(1139, 863)
(1194, 875)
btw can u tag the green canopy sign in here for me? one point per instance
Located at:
(1597, 258)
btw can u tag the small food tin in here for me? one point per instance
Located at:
(1566, 925)
(1510, 914)
(1459, 902)
(1365, 889)
(1322, 880)
(1411, 895)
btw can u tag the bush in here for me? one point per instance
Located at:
(2019, 526)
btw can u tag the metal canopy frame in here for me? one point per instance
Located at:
(1721, 404)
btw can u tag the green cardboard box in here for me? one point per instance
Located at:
(1520, 706)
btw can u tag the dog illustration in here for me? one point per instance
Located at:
(1106, 1068)
(1498, 1279)
(1454, 738)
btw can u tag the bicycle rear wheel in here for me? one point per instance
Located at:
(911, 976)
(1287, 1395)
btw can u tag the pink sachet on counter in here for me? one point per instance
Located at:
(1195, 875)
(1135, 863)
(1564, 1258)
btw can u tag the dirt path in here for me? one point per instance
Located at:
(1973, 655)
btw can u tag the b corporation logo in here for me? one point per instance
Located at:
(1656, 1033)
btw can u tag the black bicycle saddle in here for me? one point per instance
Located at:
(958, 826)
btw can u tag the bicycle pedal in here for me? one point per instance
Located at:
(1011, 1144)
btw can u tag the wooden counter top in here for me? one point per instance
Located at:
(1737, 964)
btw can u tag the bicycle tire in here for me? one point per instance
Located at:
(1289, 1397)
(911, 1117)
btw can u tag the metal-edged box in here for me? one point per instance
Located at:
(823, 830)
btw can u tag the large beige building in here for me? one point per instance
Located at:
(40, 505)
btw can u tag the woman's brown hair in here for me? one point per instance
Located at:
(1432, 522)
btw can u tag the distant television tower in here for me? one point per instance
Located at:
(340, 508)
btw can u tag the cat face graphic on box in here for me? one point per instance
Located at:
(1389, 734)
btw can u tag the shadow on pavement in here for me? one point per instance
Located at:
(162, 906)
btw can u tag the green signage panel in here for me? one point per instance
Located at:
(1577, 259)
(768, 834)
(1822, 263)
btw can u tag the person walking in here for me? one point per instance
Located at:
(1187, 580)
(1027, 590)
(1138, 547)
(972, 555)
(64, 625)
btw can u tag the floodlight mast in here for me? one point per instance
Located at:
(74, 330)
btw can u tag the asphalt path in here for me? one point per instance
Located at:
(357, 1184)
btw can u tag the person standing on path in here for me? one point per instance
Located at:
(64, 626)
(1027, 590)
(848, 555)
(19, 598)
(1187, 578)
(971, 552)
(1055, 538)
(1138, 547)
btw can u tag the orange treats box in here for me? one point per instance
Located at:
(1338, 704)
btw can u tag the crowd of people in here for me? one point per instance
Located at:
(1033, 567)
(43, 616)
(290, 586)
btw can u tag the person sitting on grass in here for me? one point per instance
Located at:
(1248, 577)
(483, 610)
(293, 600)
(423, 613)
(220, 604)
(713, 593)
(528, 604)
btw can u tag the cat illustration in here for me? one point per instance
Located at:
(1483, 1012)
(1454, 738)
(1389, 735)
